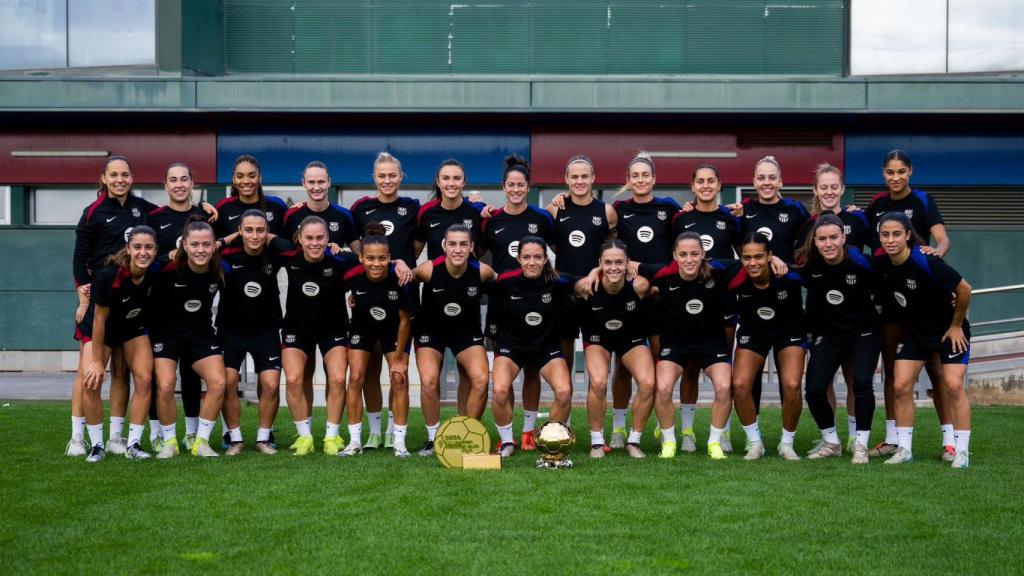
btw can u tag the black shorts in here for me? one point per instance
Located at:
(762, 345)
(650, 317)
(683, 354)
(112, 338)
(308, 343)
(366, 338)
(537, 357)
(186, 350)
(911, 348)
(265, 349)
(569, 320)
(614, 344)
(455, 342)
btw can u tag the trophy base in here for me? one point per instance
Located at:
(552, 464)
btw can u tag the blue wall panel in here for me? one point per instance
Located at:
(350, 156)
(955, 159)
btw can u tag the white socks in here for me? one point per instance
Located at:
(529, 420)
(77, 427)
(303, 427)
(135, 433)
(686, 413)
(619, 417)
(753, 432)
(634, 437)
(170, 432)
(332, 429)
(95, 434)
(851, 427)
(716, 435)
(191, 425)
(829, 435)
(432, 431)
(962, 440)
(948, 438)
(505, 432)
(890, 432)
(205, 429)
(905, 437)
(668, 434)
(355, 432)
(862, 437)
(116, 427)
(597, 438)
(391, 423)
(399, 431)
(154, 429)
(235, 434)
(788, 437)
(263, 434)
(375, 419)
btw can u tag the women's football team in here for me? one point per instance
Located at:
(665, 291)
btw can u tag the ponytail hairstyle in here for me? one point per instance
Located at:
(822, 169)
(579, 159)
(121, 257)
(771, 160)
(642, 158)
(308, 221)
(103, 191)
(756, 238)
(448, 162)
(384, 158)
(808, 253)
(259, 185)
(898, 155)
(196, 223)
(316, 164)
(704, 274)
(516, 163)
(897, 216)
(549, 272)
(375, 234)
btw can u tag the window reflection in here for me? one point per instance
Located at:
(33, 34)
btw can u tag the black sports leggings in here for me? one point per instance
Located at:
(827, 354)
(191, 393)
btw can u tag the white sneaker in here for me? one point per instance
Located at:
(860, 454)
(507, 449)
(962, 460)
(135, 452)
(689, 443)
(787, 452)
(902, 456)
(618, 440)
(117, 445)
(755, 450)
(353, 449)
(824, 450)
(170, 450)
(95, 454)
(204, 450)
(76, 447)
(401, 452)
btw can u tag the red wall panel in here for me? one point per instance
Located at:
(610, 151)
(149, 152)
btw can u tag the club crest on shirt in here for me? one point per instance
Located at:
(851, 279)
(532, 227)
(334, 226)
(355, 339)
(909, 212)
(392, 295)
(911, 283)
(467, 223)
(328, 272)
(720, 225)
(158, 347)
(744, 339)
(595, 338)
(471, 291)
(782, 294)
(213, 288)
(783, 217)
(402, 211)
(662, 215)
(268, 270)
(597, 220)
(847, 229)
(631, 305)
(270, 216)
(546, 298)
(289, 338)
(710, 284)
(424, 339)
(136, 213)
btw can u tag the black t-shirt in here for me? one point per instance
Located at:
(230, 212)
(114, 289)
(719, 231)
(610, 317)
(398, 219)
(691, 311)
(923, 288)
(451, 306)
(527, 308)
(433, 220)
(251, 300)
(500, 234)
(184, 302)
(646, 228)
(780, 222)
(103, 230)
(341, 227)
(919, 206)
(378, 304)
(579, 233)
(770, 312)
(315, 304)
(840, 297)
(169, 224)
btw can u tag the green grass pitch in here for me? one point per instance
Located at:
(376, 514)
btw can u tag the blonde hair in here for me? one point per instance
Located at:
(384, 158)
(824, 168)
(641, 158)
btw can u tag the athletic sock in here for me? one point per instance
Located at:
(263, 434)
(303, 427)
(135, 433)
(948, 438)
(529, 420)
(400, 431)
(668, 434)
(355, 432)
(154, 429)
(905, 437)
(862, 437)
(205, 429)
(191, 425)
(116, 427)
(829, 435)
(634, 437)
(597, 438)
(962, 440)
(619, 418)
(77, 427)
(753, 432)
(505, 433)
(374, 418)
(95, 434)
(391, 423)
(235, 434)
(432, 431)
(332, 429)
(686, 413)
(716, 435)
(851, 426)
(788, 437)
(890, 432)
(170, 432)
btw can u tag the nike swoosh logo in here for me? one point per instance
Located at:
(554, 353)
(877, 214)
(498, 231)
(295, 268)
(111, 219)
(795, 339)
(751, 215)
(176, 285)
(371, 211)
(720, 355)
(517, 297)
(744, 295)
(627, 216)
(477, 339)
(358, 293)
(435, 224)
(164, 226)
(272, 358)
(338, 339)
(237, 266)
(816, 275)
(596, 309)
(673, 288)
(214, 347)
(867, 334)
(436, 290)
(955, 355)
(126, 299)
(729, 316)
(564, 219)
(690, 225)
(235, 217)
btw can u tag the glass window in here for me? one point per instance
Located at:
(33, 34)
(986, 35)
(905, 37)
(63, 206)
(111, 32)
(5, 204)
